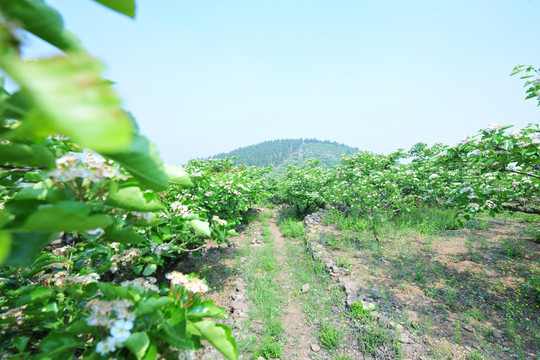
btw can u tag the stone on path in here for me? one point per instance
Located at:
(305, 288)
(315, 348)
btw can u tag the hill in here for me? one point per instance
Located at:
(281, 153)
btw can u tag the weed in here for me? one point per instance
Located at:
(475, 355)
(343, 357)
(292, 228)
(329, 336)
(358, 312)
(269, 349)
(512, 249)
(342, 262)
(373, 336)
(477, 224)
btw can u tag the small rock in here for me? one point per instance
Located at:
(368, 305)
(400, 328)
(385, 322)
(261, 358)
(305, 288)
(467, 327)
(315, 348)
(497, 334)
(350, 286)
(404, 338)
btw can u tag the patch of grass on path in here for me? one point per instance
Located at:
(264, 294)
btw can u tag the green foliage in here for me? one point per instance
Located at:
(372, 336)
(282, 153)
(329, 336)
(292, 228)
(358, 312)
(269, 349)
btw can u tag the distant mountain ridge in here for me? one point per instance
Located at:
(281, 153)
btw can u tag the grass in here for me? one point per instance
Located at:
(459, 282)
(291, 228)
(265, 296)
(329, 337)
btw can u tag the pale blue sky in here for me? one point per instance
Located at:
(203, 77)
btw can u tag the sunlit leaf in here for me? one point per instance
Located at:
(41, 20)
(72, 99)
(143, 161)
(126, 7)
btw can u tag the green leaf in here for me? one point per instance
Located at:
(56, 344)
(517, 69)
(143, 161)
(71, 98)
(25, 247)
(125, 235)
(126, 7)
(132, 198)
(14, 107)
(206, 309)
(152, 352)
(43, 191)
(21, 342)
(113, 291)
(177, 175)
(219, 336)
(27, 155)
(149, 269)
(35, 296)
(5, 246)
(63, 216)
(41, 20)
(137, 343)
(151, 305)
(200, 226)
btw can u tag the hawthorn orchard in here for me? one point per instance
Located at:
(92, 219)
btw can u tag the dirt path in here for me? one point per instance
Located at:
(300, 333)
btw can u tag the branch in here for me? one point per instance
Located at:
(523, 210)
(522, 173)
(24, 168)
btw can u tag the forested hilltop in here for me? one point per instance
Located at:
(281, 153)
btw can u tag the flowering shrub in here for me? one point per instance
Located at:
(83, 223)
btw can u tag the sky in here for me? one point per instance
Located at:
(204, 77)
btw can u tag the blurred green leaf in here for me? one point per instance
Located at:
(5, 246)
(41, 20)
(25, 247)
(200, 226)
(219, 336)
(63, 216)
(27, 155)
(143, 161)
(177, 175)
(137, 343)
(125, 235)
(132, 198)
(126, 7)
(71, 98)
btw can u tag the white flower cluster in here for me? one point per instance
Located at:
(181, 210)
(147, 216)
(115, 316)
(125, 258)
(60, 278)
(159, 248)
(193, 285)
(16, 314)
(220, 221)
(92, 168)
(146, 284)
(493, 127)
